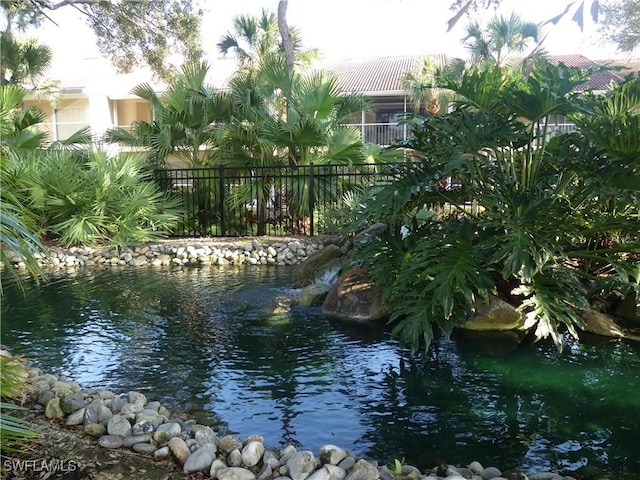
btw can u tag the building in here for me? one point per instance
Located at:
(381, 79)
(93, 95)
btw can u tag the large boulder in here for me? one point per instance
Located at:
(627, 308)
(494, 315)
(602, 324)
(372, 232)
(355, 297)
(316, 265)
(281, 304)
(313, 294)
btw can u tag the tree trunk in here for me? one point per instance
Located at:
(287, 44)
(285, 34)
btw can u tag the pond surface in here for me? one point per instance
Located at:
(199, 341)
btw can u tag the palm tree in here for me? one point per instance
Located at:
(184, 118)
(252, 38)
(420, 86)
(501, 39)
(17, 132)
(575, 7)
(244, 143)
(22, 60)
(278, 122)
(315, 132)
(280, 117)
(255, 38)
(17, 125)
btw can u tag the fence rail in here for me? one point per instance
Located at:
(278, 201)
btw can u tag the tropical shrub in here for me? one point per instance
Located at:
(90, 198)
(17, 225)
(277, 121)
(183, 118)
(17, 229)
(546, 222)
(12, 379)
(67, 192)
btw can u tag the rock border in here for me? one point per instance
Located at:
(131, 421)
(179, 252)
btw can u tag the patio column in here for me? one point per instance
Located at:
(100, 115)
(404, 126)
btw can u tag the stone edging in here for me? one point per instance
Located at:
(180, 253)
(148, 428)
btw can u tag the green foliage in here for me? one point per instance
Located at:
(184, 118)
(92, 199)
(280, 120)
(396, 468)
(548, 223)
(337, 219)
(16, 230)
(253, 39)
(18, 126)
(131, 33)
(13, 430)
(447, 268)
(501, 38)
(612, 121)
(22, 59)
(420, 89)
(621, 23)
(17, 224)
(20, 14)
(619, 20)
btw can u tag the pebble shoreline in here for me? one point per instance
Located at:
(180, 253)
(148, 428)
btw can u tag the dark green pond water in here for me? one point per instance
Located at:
(198, 340)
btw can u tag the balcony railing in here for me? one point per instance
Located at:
(383, 134)
(386, 134)
(560, 128)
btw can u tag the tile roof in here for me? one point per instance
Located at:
(598, 81)
(377, 76)
(383, 75)
(629, 65)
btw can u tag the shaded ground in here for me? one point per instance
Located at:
(64, 453)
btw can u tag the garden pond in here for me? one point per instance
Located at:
(201, 340)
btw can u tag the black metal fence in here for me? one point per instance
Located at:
(279, 201)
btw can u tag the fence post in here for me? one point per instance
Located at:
(221, 195)
(311, 200)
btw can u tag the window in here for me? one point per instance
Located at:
(70, 120)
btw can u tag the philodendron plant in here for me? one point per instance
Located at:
(547, 221)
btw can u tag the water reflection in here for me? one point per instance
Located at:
(198, 339)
